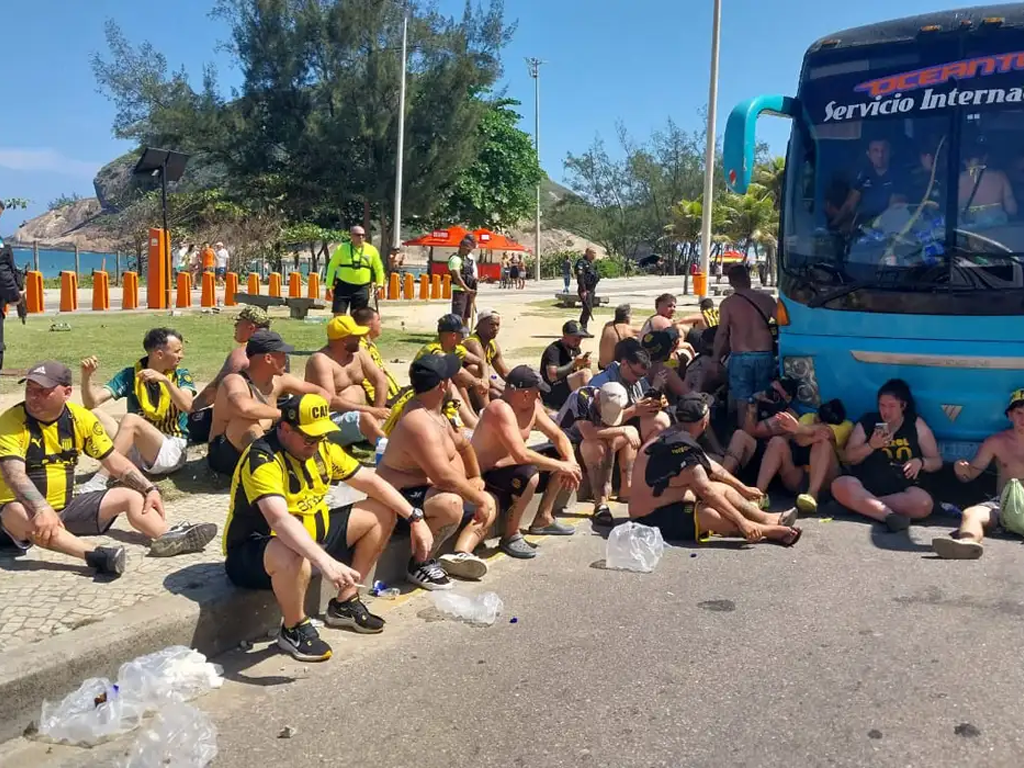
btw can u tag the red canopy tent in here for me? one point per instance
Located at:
(450, 237)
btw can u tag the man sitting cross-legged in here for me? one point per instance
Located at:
(1006, 448)
(592, 420)
(680, 490)
(340, 368)
(154, 432)
(513, 472)
(434, 467)
(246, 404)
(40, 442)
(279, 527)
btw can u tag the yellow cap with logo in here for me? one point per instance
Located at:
(343, 326)
(310, 414)
(1017, 398)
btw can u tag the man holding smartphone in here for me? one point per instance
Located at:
(563, 366)
(645, 402)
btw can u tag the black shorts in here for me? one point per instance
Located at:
(348, 298)
(506, 483)
(460, 303)
(244, 563)
(884, 484)
(199, 424)
(81, 517)
(801, 454)
(415, 495)
(676, 521)
(222, 456)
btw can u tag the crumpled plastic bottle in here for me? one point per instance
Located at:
(180, 736)
(472, 609)
(634, 547)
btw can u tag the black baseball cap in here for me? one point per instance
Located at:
(573, 328)
(265, 341)
(524, 377)
(452, 323)
(659, 344)
(428, 371)
(48, 374)
(693, 407)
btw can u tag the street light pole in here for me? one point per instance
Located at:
(534, 65)
(709, 152)
(396, 237)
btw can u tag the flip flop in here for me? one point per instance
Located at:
(957, 549)
(555, 529)
(791, 542)
(603, 516)
(788, 517)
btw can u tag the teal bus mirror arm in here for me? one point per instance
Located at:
(741, 135)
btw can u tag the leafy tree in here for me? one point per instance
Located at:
(63, 201)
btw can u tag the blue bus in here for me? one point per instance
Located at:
(902, 216)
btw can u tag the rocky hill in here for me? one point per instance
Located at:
(66, 227)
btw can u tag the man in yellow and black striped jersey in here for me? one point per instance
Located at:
(160, 392)
(280, 526)
(40, 442)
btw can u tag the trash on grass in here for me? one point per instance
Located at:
(472, 609)
(180, 736)
(634, 547)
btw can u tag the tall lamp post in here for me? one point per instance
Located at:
(534, 65)
(396, 238)
(709, 152)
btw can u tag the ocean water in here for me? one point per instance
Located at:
(52, 263)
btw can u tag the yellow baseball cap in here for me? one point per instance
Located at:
(310, 414)
(344, 326)
(1017, 398)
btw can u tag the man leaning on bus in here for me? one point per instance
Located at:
(354, 271)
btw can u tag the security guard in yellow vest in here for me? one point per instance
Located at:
(354, 270)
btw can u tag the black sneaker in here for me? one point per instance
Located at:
(106, 560)
(352, 614)
(303, 642)
(182, 539)
(429, 575)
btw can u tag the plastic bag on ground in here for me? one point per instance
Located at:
(180, 736)
(634, 547)
(174, 674)
(87, 716)
(472, 609)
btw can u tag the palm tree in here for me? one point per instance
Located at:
(770, 177)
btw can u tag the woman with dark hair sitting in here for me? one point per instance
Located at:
(886, 452)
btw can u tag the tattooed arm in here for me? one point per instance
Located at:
(131, 477)
(45, 521)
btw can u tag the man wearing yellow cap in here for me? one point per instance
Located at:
(355, 269)
(340, 368)
(279, 527)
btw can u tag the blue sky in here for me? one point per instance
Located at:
(638, 61)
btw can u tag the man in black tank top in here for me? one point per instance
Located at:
(887, 452)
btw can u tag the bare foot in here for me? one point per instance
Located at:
(785, 535)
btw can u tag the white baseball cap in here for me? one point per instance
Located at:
(613, 401)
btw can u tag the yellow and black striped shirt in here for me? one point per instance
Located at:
(267, 469)
(50, 450)
(490, 348)
(393, 388)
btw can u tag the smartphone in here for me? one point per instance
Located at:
(882, 427)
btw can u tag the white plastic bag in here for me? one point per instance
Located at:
(174, 674)
(634, 547)
(472, 609)
(180, 736)
(87, 716)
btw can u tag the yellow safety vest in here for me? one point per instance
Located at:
(355, 268)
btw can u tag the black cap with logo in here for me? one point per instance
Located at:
(524, 377)
(264, 342)
(572, 328)
(452, 324)
(48, 373)
(692, 408)
(428, 371)
(659, 344)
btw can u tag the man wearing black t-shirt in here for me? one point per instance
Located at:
(759, 425)
(563, 367)
(873, 187)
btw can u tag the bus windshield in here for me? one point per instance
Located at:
(907, 172)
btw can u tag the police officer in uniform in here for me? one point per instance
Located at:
(586, 284)
(12, 283)
(355, 269)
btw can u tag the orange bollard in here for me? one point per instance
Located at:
(184, 290)
(313, 291)
(209, 294)
(435, 286)
(275, 284)
(295, 285)
(34, 300)
(230, 289)
(68, 291)
(410, 287)
(130, 290)
(254, 284)
(380, 292)
(424, 286)
(700, 284)
(446, 290)
(393, 286)
(100, 291)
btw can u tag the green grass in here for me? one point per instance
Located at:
(116, 339)
(524, 353)
(548, 308)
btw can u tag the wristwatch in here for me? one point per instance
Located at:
(416, 516)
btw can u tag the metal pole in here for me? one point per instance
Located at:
(709, 153)
(534, 65)
(167, 236)
(396, 239)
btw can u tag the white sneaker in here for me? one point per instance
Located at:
(463, 565)
(97, 482)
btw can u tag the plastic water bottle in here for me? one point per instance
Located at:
(380, 589)
(382, 445)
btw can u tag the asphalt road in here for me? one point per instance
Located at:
(855, 648)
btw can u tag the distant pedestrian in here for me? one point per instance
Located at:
(12, 284)
(586, 284)
(566, 272)
(222, 257)
(209, 257)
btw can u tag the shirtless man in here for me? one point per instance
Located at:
(614, 331)
(1006, 448)
(249, 320)
(483, 343)
(985, 193)
(340, 368)
(664, 318)
(246, 405)
(513, 472)
(434, 467)
(680, 490)
(744, 334)
(450, 333)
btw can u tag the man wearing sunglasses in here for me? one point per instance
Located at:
(279, 527)
(644, 403)
(354, 271)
